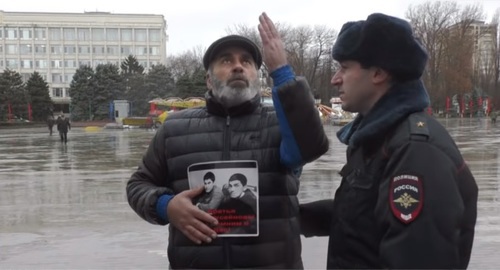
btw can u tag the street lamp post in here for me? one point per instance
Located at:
(127, 93)
(90, 96)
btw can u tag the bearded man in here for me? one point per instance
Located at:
(234, 125)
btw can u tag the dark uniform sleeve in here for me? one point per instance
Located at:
(302, 132)
(316, 218)
(420, 209)
(149, 181)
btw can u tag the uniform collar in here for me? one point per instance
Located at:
(401, 100)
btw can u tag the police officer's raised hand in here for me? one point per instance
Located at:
(189, 219)
(273, 50)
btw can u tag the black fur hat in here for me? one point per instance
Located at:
(382, 41)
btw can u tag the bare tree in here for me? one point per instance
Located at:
(308, 49)
(298, 45)
(431, 21)
(445, 30)
(310, 55)
(459, 76)
(249, 32)
(188, 72)
(494, 90)
(253, 34)
(188, 62)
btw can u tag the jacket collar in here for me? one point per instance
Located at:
(214, 107)
(401, 100)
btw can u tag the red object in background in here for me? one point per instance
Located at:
(155, 112)
(429, 110)
(471, 107)
(152, 107)
(488, 105)
(448, 104)
(30, 112)
(480, 101)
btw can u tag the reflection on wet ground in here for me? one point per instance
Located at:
(64, 206)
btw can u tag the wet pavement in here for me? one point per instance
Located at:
(64, 206)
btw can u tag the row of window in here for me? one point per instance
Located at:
(96, 34)
(26, 76)
(55, 77)
(60, 92)
(14, 63)
(60, 78)
(69, 49)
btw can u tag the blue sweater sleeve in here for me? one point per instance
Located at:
(161, 206)
(289, 151)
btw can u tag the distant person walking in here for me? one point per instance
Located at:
(493, 116)
(63, 126)
(50, 123)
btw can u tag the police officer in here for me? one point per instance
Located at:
(407, 199)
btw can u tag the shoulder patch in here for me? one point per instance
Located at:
(406, 197)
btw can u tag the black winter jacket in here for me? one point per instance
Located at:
(248, 132)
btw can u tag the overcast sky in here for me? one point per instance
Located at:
(193, 23)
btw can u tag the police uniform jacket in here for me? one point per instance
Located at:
(406, 200)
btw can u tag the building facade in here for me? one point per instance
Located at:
(57, 44)
(485, 45)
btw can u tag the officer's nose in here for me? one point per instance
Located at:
(336, 79)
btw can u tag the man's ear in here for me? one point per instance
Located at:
(380, 76)
(208, 81)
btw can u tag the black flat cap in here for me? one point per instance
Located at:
(232, 40)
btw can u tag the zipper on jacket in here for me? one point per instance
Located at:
(226, 156)
(227, 139)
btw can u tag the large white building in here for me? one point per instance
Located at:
(56, 44)
(485, 40)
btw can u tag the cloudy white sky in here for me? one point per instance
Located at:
(193, 23)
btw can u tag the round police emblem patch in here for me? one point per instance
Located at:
(406, 197)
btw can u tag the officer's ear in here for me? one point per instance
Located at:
(380, 76)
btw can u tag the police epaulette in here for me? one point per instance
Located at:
(418, 127)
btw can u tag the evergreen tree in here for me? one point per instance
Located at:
(134, 79)
(199, 84)
(109, 86)
(3, 99)
(159, 82)
(137, 94)
(130, 65)
(82, 91)
(14, 93)
(183, 85)
(192, 85)
(41, 103)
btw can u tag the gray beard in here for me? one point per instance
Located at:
(230, 96)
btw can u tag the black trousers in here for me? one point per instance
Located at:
(64, 136)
